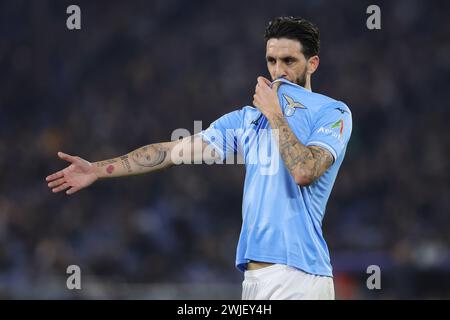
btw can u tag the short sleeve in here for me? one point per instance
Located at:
(221, 134)
(332, 129)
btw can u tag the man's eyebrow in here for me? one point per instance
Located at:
(282, 58)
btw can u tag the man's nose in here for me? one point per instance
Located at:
(280, 71)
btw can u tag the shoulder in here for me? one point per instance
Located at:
(323, 105)
(249, 114)
(337, 106)
(312, 100)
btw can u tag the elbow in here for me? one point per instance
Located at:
(304, 179)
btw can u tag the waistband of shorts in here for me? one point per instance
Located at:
(255, 274)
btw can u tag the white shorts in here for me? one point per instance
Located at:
(281, 282)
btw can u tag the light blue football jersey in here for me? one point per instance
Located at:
(282, 221)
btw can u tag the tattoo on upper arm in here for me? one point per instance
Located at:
(212, 151)
(149, 156)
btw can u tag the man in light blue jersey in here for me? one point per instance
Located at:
(283, 208)
(292, 141)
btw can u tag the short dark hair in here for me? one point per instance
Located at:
(295, 28)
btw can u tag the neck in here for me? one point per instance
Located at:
(308, 83)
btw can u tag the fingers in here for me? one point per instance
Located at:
(264, 81)
(61, 187)
(260, 86)
(71, 191)
(256, 100)
(56, 183)
(54, 176)
(263, 85)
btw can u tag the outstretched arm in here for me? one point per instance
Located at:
(145, 159)
(153, 157)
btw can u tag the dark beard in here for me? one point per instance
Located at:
(301, 80)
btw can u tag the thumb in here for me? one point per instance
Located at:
(66, 157)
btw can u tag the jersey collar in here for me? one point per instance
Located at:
(283, 80)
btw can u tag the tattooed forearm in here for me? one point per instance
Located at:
(109, 164)
(143, 160)
(149, 156)
(126, 164)
(110, 169)
(294, 153)
(304, 163)
(323, 161)
(105, 162)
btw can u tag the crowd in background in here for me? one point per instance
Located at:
(138, 70)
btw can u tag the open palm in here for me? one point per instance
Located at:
(78, 175)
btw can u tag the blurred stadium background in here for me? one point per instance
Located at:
(139, 69)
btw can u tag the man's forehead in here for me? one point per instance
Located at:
(283, 46)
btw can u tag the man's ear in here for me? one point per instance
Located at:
(313, 64)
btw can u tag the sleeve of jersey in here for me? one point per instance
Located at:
(221, 134)
(332, 129)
